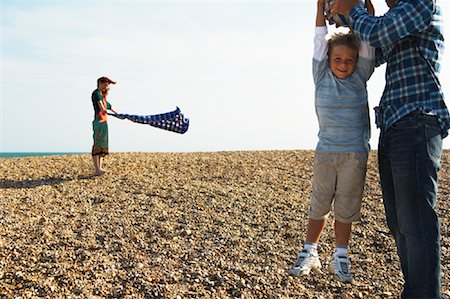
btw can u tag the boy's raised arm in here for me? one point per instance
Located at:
(320, 42)
(320, 16)
(370, 8)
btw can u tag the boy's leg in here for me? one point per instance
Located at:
(324, 178)
(342, 232)
(349, 191)
(315, 228)
(324, 186)
(323, 190)
(340, 262)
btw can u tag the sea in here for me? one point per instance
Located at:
(34, 154)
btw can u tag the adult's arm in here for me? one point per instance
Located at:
(404, 19)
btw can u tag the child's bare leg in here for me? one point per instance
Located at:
(342, 232)
(315, 228)
(96, 160)
(340, 263)
(308, 258)
(100, 164)
(96, 163)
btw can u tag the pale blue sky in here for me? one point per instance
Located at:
(239, 70)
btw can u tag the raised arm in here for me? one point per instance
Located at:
(320, 15)
(404, 19)
(365, 50)
(370, 8)
(320, 43)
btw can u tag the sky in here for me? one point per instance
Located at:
(240, 70)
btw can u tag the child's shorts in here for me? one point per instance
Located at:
(339, 177)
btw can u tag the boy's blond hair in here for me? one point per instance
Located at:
(344, 39)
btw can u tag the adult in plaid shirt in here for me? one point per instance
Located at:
(413, 119)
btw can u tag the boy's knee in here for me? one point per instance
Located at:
(346, 216)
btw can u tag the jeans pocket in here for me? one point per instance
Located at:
(434, 143)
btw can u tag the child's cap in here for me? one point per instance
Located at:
(105, 79)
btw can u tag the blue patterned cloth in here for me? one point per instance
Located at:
(173, 121)
(409, 38)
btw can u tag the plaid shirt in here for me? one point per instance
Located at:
(409, 39)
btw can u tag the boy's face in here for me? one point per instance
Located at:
(342, 61)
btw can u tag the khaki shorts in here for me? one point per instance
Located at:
(339, 178)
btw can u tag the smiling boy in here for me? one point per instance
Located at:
(341, 68)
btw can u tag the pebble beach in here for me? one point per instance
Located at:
(185, 225)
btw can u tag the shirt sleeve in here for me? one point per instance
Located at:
(366, 51)
(406, 18)
(97, 97)
(320, 43)
(379, 57)
(320, 61)
(108, 105)
(365, 67)
(366, 60)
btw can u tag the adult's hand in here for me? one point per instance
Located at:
(342, 7)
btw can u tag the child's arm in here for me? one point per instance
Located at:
(109, 107)
(366, 63)
(370, 8)
(101, 106)
(365, 50)
(320, 43)
(320, 16)
(320, 63)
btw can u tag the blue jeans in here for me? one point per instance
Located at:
(409, 155)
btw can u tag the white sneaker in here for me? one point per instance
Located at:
(340, 267)
(305, 263)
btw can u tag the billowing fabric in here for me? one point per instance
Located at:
(171, 121)
(100, 136)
